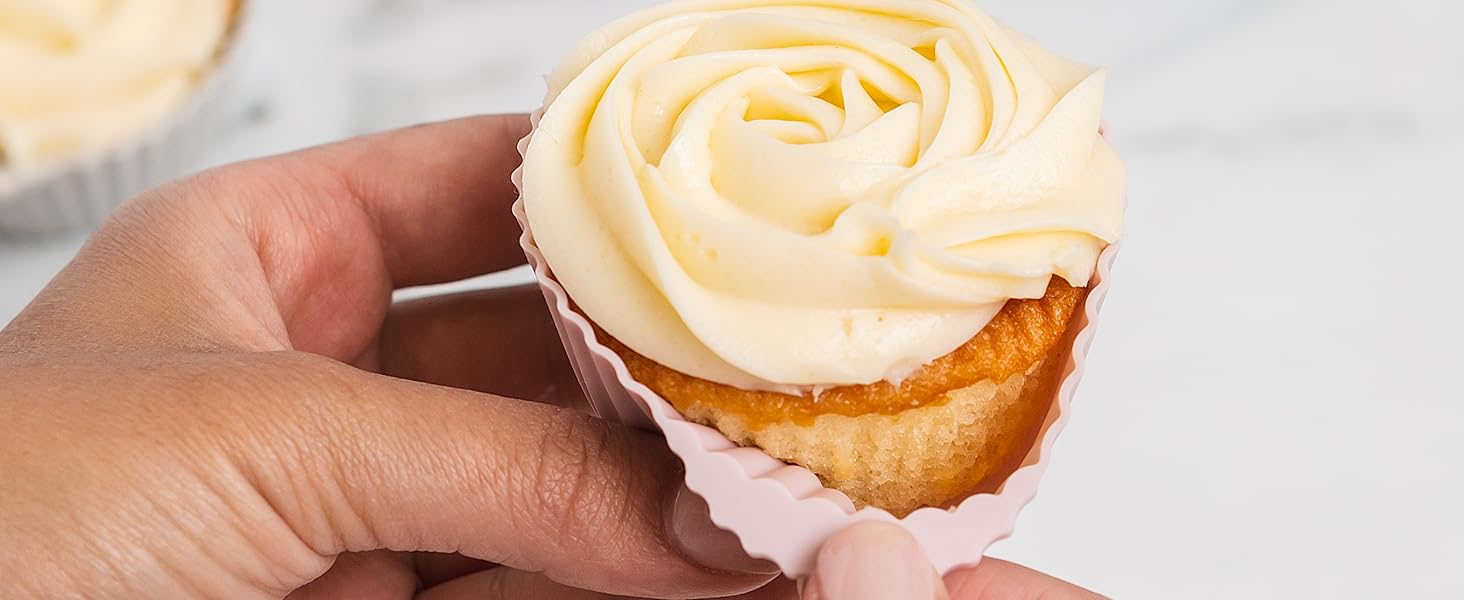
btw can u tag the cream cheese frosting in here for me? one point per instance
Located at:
(776, 193)
(76, 75)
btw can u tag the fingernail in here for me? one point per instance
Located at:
(870, 561)
(691, 532)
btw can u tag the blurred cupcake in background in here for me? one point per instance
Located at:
(101, 99)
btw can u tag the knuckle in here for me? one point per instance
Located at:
(316, 393)
(575, 486)
(170, 202)
(267, 400)
(294, 430)
(279, 376)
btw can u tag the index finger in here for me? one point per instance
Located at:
(295, 251)
(438, 195)
(337, 227)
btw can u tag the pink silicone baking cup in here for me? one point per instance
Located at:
(781, 512)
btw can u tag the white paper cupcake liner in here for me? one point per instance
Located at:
(79, 193)
(781, 512)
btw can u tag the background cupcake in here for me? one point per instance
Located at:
(102, 100)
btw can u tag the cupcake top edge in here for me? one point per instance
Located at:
(783, 194)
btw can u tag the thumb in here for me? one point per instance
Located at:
(384, 463)
(873, 560)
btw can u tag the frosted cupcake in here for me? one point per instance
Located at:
(101, 100)
(853, 234)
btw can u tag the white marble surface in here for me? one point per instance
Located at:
(1270, 411)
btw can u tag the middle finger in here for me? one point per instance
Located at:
(500, 341)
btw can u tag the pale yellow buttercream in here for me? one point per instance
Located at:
(77, 75)
(773, 193)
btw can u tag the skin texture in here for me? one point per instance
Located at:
(218, 398)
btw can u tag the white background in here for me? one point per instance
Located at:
(1270, 411)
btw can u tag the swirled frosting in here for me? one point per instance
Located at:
(774, 193)
(82, 74)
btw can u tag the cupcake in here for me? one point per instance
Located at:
(853, 234)
(102, 100)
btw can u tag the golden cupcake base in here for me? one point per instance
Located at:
(956, 427)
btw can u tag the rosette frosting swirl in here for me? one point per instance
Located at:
(774, 193)
(81, 74)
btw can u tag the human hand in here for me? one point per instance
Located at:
(217, 397)
(875, 561)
